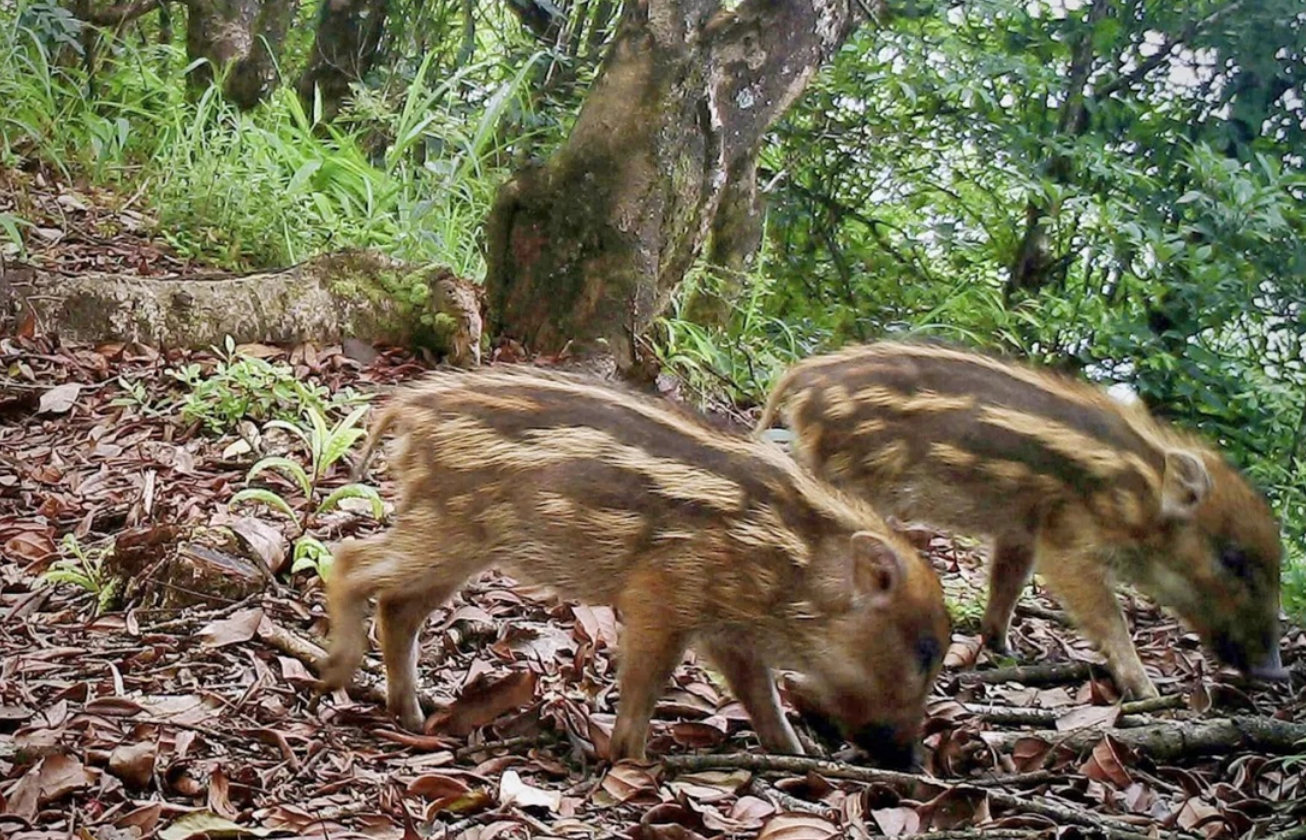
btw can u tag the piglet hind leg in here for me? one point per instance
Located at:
(1087, 590)
(400, 618)
(751, 682)
(418, 575)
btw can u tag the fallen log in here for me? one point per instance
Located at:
(1028, 716)
(1055, 673)
(1173, 740)
(356, 294)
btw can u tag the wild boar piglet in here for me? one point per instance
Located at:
(694, 535)
(1064, 478)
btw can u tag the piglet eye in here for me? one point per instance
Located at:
(927, 653)
(1235, 562)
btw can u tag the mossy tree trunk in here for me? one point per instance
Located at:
(241, 38)
(345, 48)
(588, 247)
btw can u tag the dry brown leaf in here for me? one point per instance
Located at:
(956, 808)
(1105, 764)
(145, 818)
(61, 775)
(437, 786)
(696, 735)
(1029, 754)
(31, 547)
(598, 624)
(259, 351)
(711, 785)
(219, 796)
(482, 701)
(1087, 717)
(262, 541)
(894, 822)
(791, 826)
(750, 811)
(134, 763)
(1196, 815)
(513, 791)
(626, 782)
(60, 398)
(241, 627)
(25, 797)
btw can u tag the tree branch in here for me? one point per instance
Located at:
(1163, 53)
(123, 12)
(1055, 673)
(1174, 740)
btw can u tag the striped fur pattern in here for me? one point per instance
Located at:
(1062, 476)
(695, 535)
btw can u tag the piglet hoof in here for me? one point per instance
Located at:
(409, 714)
(335, 674)
(998, 647)
(1140, 690)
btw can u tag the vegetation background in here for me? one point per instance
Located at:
(1114, 188)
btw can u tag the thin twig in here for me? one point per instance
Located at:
(985, 834)
(787, 802)
(1026, 715)
(1035, 611)
(506, 744)
(207, 615)
(1298, 833)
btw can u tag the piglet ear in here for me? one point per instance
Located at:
(877, 569)
(1185, 486)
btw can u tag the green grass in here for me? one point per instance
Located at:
(270, 187)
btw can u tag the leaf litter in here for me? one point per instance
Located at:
(187, 721)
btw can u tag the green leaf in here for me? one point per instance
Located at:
(288, 427)
(354, 491)
(302, 175)
(310, 553)
(276, 462)
(338, 444)
(267, 497)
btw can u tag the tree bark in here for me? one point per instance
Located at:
(1174, 740)
(588, 247)
(736, 233)
(359, 295)
(240, 38)
(344, 50)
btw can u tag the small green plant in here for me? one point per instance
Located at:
(136, 395)
(11, 238)
(737, 361)
(1294, 590)
(84, 567)
(246, 387)
(326, 445)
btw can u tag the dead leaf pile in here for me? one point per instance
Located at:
(154, 721)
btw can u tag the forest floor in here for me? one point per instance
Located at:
(150, 720)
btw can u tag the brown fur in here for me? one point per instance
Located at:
(1062, 477)
(695, 535)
